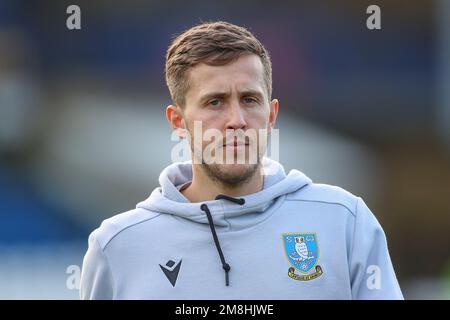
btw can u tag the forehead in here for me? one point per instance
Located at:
(244, 73)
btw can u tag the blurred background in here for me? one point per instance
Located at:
(83, 134)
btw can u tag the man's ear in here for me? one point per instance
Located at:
(174, 116)
(273, 113)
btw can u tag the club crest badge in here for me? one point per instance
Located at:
(302, 251)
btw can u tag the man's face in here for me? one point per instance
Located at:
(231, 99)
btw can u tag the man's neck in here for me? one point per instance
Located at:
(204, 188)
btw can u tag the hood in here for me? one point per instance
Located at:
(228, 212)
(168, 199)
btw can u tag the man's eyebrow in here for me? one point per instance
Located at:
(211, 95)
(219, 94)
(251, 92)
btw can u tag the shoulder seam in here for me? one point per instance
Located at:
(326, 202)
(127, 227)
(350, 260)
(109, 267)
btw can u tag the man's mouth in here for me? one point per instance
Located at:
(236, 144)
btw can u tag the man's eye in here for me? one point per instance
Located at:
(250, 100)
(215, 102)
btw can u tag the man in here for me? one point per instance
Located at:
(230, 224)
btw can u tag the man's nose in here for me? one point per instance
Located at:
(236, 117)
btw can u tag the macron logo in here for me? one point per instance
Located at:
(171, 271)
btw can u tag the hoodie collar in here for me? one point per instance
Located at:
(168, 199)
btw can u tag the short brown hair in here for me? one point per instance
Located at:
(213, 43)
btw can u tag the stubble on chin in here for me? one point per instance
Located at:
(230, 178)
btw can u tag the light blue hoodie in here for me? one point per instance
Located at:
(295, 239)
